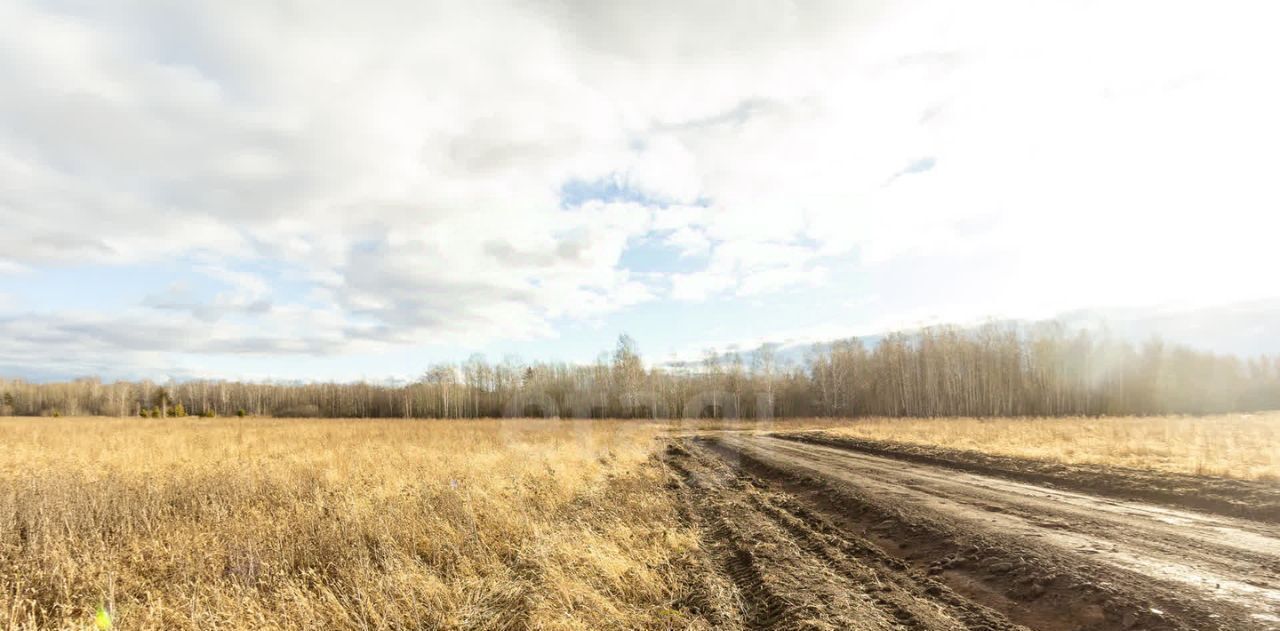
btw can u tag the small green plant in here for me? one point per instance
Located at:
(240, 413)
(208, 413)
(179, 411)
(102, 620)
(56, 413)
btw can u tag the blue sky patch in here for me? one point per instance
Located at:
(650, 255)
(577, 192)
(919, 165)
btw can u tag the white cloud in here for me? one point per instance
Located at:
(749, 268)
(405, 159)
(246, 293)
(689, 241)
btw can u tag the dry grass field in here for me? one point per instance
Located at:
(324, 524)
(1238, 446)
(321, 524)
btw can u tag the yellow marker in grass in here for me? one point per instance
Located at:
(102, 620)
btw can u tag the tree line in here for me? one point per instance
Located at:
(994, 370)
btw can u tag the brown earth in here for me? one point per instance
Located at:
(802, 535)
(1252, 499)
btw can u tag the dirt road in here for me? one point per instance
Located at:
(814, 536)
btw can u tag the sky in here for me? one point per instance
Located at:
(337, 190)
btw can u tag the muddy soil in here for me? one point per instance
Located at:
(1258, 500)
(787, 567)
(802, 535)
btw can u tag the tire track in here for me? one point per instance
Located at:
(1044, 557)
(794, 570)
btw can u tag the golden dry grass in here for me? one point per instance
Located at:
(329, 524)
(1238, 446)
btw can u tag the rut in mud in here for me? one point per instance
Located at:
(791, 569)
(819, 537)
